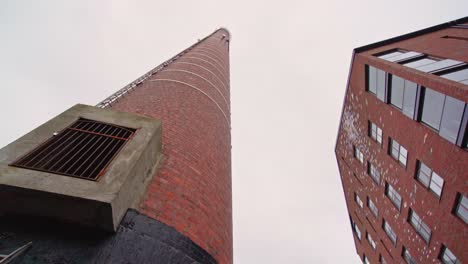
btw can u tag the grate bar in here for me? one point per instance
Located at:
(99, 134)
(84, 150)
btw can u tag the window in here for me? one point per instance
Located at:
(381, 85)
(396, 91)
(420, 227)
(403, 95)
(407, 257)
(371, 79)
(356, 230)
(432, 108)
(447, 256)
(373, 172)
(372, 207)
(358, 200)
(439, 65)
(390, 54)
(376, 82)
(443, 113)
(430, 179)
(409, 99)
(452, 117)
(420, 62)
(382, 260)
(461, 207)
(403, 55)
(389, 231)
(365, 259)
(370, 240)
(375, 132)
(358, 155)
(393, 195)
(398, 152)
(458, 75)
(83, 150)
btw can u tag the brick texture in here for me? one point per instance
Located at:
(422, 144)
(192, 190)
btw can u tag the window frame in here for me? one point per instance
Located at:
(374, 173)
(441, 129)
(373, 132)
(390, 230)
(443, 250)
(365, 260)
(420, 58)
(459, 203)
(391, 194)
(358, 200)
(357, 153)
(398, 157)
(454, 69)
(406, 255)
(382, 259)
(430, 177)
(379, 90)
(371, 241)
(421, 228)
(372, 207)
(357, 231)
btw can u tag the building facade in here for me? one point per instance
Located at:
(402, 147)
(151, 164)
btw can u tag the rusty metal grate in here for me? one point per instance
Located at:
(83, 150)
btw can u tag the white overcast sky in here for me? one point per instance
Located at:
(289, 66)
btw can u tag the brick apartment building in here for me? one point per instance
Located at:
(402, 147)
(143, 177)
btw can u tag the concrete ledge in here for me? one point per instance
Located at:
(100, 203)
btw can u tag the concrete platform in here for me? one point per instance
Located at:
(100, 203)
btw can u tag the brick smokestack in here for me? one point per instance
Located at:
(191, 191)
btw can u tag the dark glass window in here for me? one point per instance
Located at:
(409, 98)
(451, 119)
(432, 108)
(396, 92)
